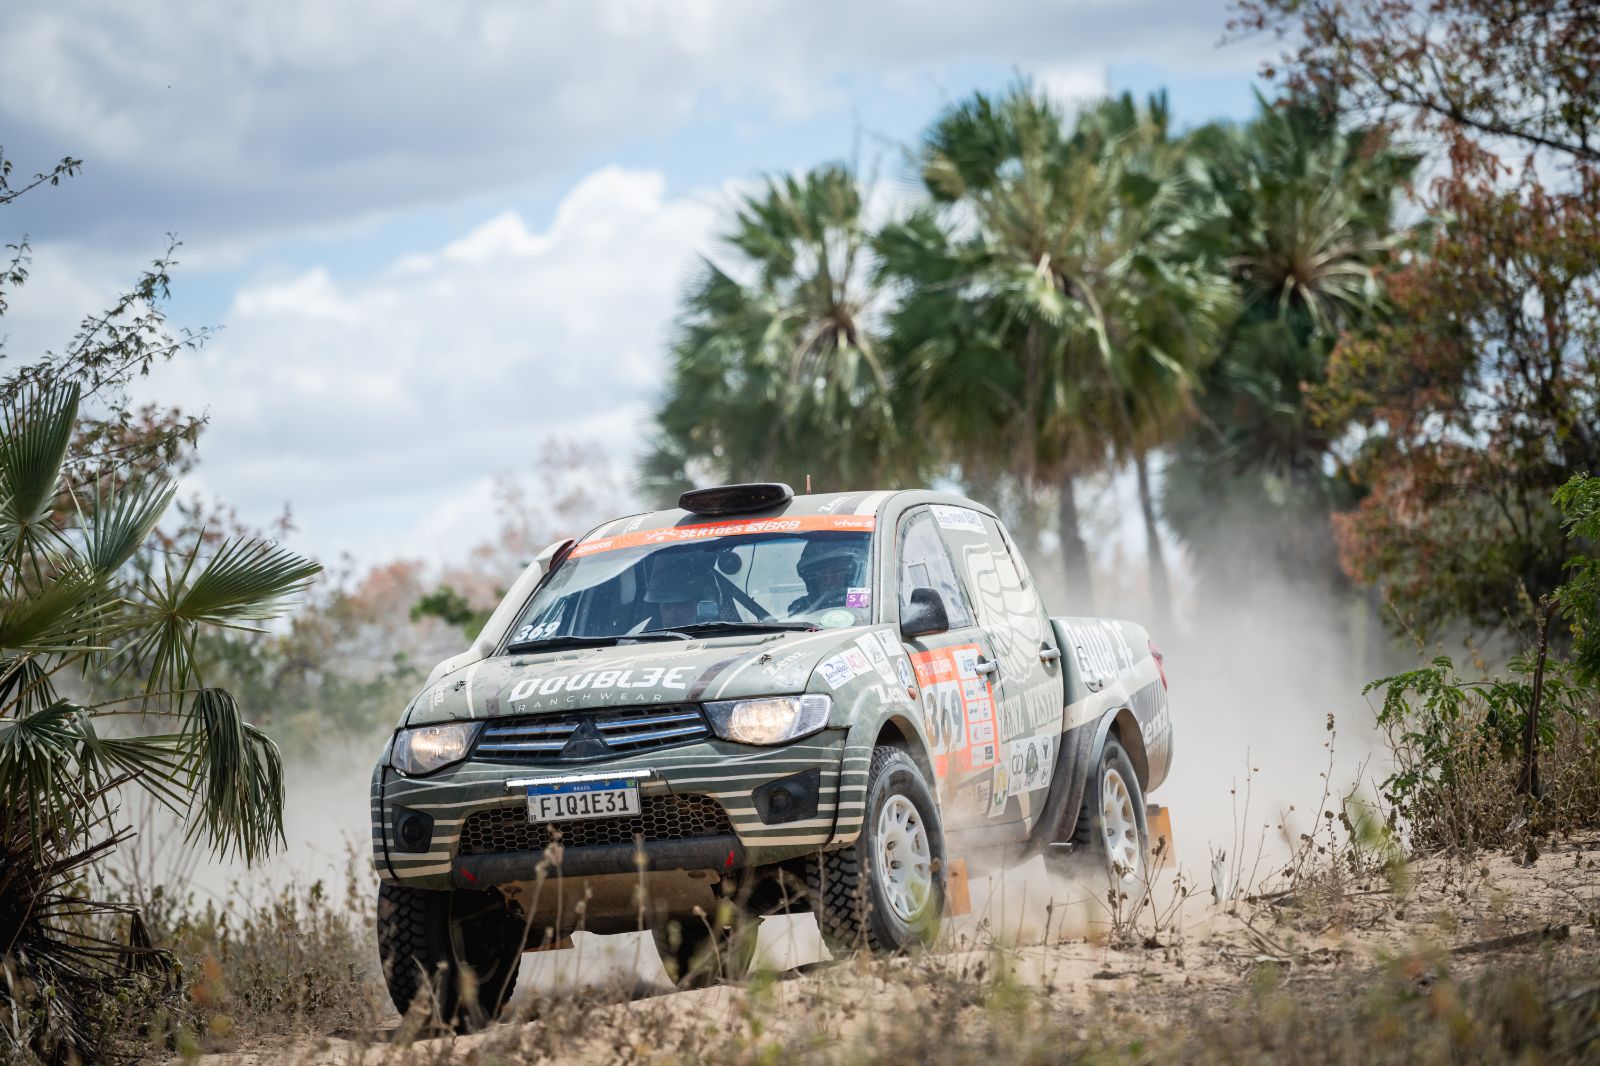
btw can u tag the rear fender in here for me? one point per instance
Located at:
(1110, 665)
(1081, 748)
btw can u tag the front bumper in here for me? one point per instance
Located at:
(738, 829)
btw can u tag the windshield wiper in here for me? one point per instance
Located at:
(556, 643)
(738, 627)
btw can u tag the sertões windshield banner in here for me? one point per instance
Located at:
(808, 523)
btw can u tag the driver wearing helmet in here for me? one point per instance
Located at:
(829, 568)
(682, 591)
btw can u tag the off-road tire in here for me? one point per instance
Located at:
(417, 950)
(848, 899)
(696, 957)
(1089, 835)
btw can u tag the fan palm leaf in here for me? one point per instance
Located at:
(775, 367)
(39, 421)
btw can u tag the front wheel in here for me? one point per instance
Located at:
(886, 890)
(457, 953)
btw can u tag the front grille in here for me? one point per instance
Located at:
(660, 818)
(581, 737)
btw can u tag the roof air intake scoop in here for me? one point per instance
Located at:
(736, 499)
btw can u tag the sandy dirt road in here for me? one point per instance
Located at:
(607, 997)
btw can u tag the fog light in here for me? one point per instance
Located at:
(788, 799)
(413, 830)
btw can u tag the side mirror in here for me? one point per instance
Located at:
(925, 614)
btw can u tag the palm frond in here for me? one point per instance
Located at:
(241, 779)
(38, 775)
(36, 427)
(123, 521)
(69, 612)
(246, 580)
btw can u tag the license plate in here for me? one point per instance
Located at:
(575, 800)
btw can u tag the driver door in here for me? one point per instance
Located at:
(958, 678)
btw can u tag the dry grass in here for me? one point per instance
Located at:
(1348, 967)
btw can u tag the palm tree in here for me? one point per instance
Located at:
(1303, 219)
(1049, 322)
(100, 692)
(776, 371)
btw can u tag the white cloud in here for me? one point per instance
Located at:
(381, 408)
(237, 119)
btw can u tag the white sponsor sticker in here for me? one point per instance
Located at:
(958, 518)
(858, 662)
(874, 653)
(836, 671)
(891, 646)
(1028, 763)
(967, 663)
(999, 789)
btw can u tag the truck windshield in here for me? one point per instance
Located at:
(610, 589)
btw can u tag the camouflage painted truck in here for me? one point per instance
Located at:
(758, 703)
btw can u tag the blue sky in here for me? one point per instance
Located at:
(430, 229)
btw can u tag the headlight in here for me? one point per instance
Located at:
(771, 720)
(430, 747)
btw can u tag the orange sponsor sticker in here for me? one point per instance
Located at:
(806, 523)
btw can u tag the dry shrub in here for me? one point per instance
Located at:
(1458, 758)
(301, 960)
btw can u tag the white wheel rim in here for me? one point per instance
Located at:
(1120, 825)
(904, 858)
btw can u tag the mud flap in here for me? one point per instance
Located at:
(1159, 822)
(957, 896)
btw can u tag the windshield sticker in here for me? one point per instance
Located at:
(957, 518)
(858, 598)
(537, 632)
(836, 618)
(807, 523)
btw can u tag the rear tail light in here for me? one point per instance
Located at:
(1161, 664)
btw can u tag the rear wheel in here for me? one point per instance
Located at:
(457, 953)
(1111, 823)
(886, 890)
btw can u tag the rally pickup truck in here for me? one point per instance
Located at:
(757, 703)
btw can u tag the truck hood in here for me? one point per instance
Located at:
(730, 667)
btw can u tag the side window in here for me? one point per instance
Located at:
(924, 563)
(997, 532)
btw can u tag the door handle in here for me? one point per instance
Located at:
(987, 666)
(1049, 655)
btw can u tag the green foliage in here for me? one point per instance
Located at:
(1579, 599)
(100, 689)
(1459, 743)
(776, 371)
(1301, 219)
(452, 608)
